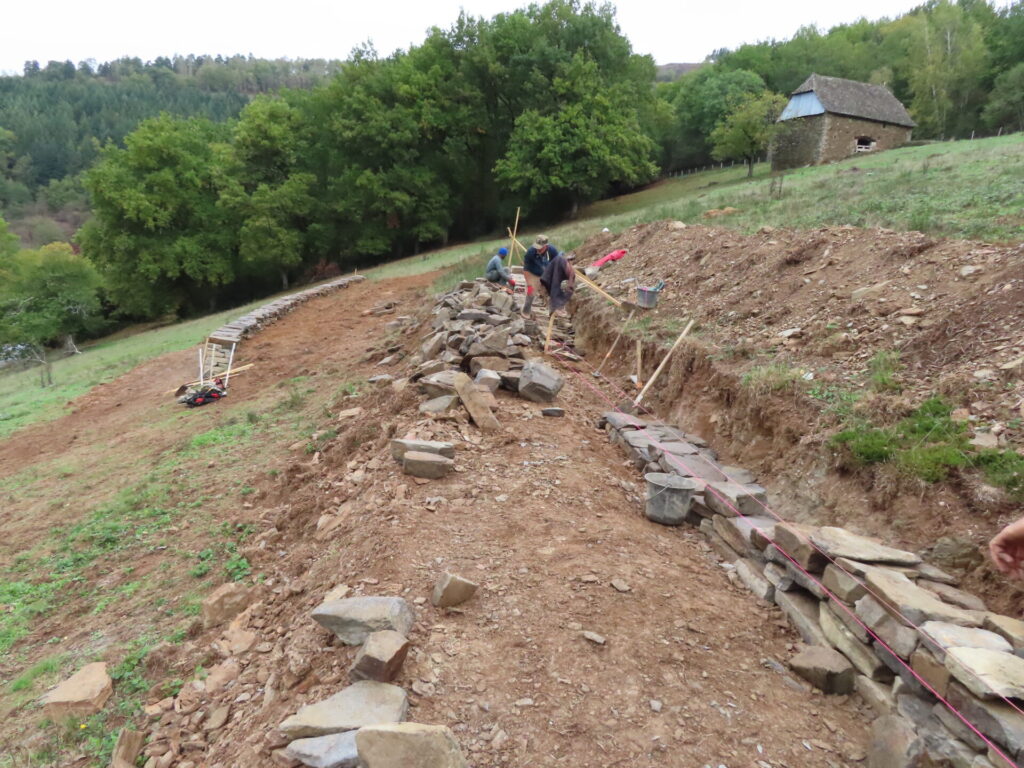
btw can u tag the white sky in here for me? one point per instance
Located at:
(670, 30)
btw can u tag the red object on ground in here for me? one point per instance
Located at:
(613, 256)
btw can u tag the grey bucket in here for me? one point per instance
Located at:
(647, 297)
(668, 497)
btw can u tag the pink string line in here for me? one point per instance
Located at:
(673, 458)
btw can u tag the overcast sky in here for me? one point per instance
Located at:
(670, 30)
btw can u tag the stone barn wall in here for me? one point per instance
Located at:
(839, 139)
(798, 142)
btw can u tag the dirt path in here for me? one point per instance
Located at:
(544, 517)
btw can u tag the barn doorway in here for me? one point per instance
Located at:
(865, 144)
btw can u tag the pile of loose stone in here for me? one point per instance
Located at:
(968, 655)
(477, 344)
(250, 323)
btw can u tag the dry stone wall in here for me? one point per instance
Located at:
(875, 619)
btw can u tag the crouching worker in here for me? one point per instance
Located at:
(559, 281)
(496, 270)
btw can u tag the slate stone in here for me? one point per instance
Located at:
(381, 657)
(986, 673)
(452, 590)
(337, 750)
(751, 573)
(778, 576)
(81, 695)
(940, 635)
(400, 447)
(859, 654)
(899, 637)
(794, 539)
(894, 744)
(409, 745)
(539, 382)
(438, 384)
(931, 670)
(841, 584)
(903, 598)
(363, 703)
(704, 469)
(848, 617)
(997, 720)
(726, 498)
(877, 695)
(438, 406)
(353, 618)
(838, 542)
(497, 364)
(555, 413)
(802, 611)
(427, 465)
(488, 378)
(824, 668)
(953, 596)
(1009, 628)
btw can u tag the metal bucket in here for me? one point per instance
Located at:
(668, 497)
(647, 297)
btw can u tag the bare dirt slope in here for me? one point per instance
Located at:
(817, 307)
(544, 516)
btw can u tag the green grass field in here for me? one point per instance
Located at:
(963, 189)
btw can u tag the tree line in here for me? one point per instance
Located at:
(245, 182)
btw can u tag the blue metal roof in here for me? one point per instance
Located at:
(802, 105)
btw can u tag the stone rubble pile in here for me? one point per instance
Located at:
(252, 322)
(970, 656)
(477, 343)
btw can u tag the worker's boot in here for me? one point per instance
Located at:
(528, 305)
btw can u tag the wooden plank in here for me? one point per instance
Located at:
(478, 408)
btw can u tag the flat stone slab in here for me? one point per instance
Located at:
(400, 447)
(452, 590)
(353, 618)
(337, 750)
(438, 384)
(914, 604)
(497, 364)
(1009, 628)
(794, 539)
(894, 744)
(843, 585)
(81, 695)
(901, 639)
(996, 719)
(986, 673)
(728, 498)
(802, 612)
(701, 468)
(409, 745)
(838, 542)
(751, 573)
(824, 668)
(940, 635)
(363, 703)
(953, 596)
(437, 406)
(859, 654)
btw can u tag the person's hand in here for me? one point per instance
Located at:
(1007, 549)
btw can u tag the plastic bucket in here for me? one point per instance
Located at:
(668, 497)
(647, 297)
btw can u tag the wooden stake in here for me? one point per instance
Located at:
(512, 238)
(639, 361)
(591, 284)
(647, 386)
(614, 344)
(551, 325)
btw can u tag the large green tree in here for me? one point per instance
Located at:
(158, 235)
(748, 129)
(48, 295)
(1005, 109)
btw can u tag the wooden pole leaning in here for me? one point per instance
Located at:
(663, 363)
(551, 325)
(512, 238)
(615, 343)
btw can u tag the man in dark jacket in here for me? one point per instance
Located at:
(534, 262)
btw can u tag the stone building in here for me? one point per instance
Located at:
(829, 119)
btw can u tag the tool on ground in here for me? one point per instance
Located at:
(597, 374)
(621, 303)
(664, 361)
(551, 325)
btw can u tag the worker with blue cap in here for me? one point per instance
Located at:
(497, 272)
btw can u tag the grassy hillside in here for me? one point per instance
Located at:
(965, 189)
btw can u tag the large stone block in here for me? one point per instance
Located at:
(438, 384)
(496, 364)
(877, 695)
(940, 635)
(953, 596)
(362, 703)
(931, 670)
(427, 465)
(795, 541)
(894, 744)
(705, 469)
(540, 382)
(845, 587)
(409, 745)
(1011, 629)
(997, 720)
(381, 657)
(900, 638)
(825, 669)
(751, 573)
(452, 590)
(354, 618)
(81, 695)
